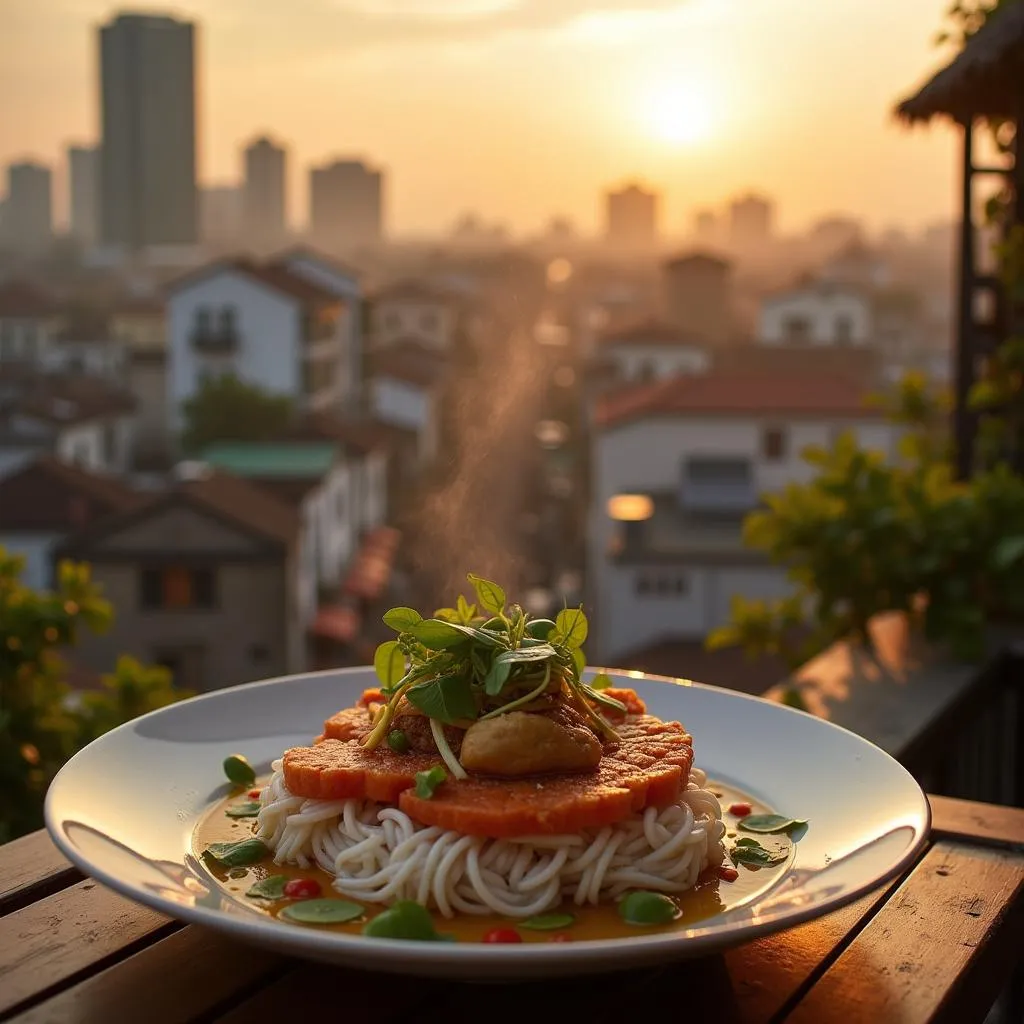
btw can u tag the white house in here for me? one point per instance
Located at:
(816, 314)
(415, 310)
(676, 465)
(652, 350)
(342, 281)
(29, 320)
(264, 324)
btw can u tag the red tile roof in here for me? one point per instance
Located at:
(22, 299)
(273, 275)
(248, 504)
(650, 332)
(738, 393)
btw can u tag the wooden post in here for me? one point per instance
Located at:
(963, 366)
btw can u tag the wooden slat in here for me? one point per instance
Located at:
(31, 868)
(940, 948)
(76, 930)
(976, 822)
(185, 976)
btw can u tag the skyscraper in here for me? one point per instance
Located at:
(264, 202)
(632, 216)
(750, 221)
(148, 162)
(346, 204)
(84, 187)
(28, 213)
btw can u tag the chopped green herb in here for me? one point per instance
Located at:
(322, 911)
(428, 781)
(398, 741)
(239, 771)
(405, 919)
(547, 922)
(647, 908)
(246, 809)
(269, 888)
(770, 823)
(238, 854)
(753, 854)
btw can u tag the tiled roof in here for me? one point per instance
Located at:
(650, 332)
(48, 495)
(273, 275)
(22, 299)
(738, 393)
(248, 504)
(308, 252)
(63, 399)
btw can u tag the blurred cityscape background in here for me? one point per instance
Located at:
(307, 310)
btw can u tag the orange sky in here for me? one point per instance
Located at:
(525, 108)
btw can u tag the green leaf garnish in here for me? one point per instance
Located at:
(496, 677)
(752, 853)
(647, 908)
(322, 911)
(547, 922)
(237, 854)
(520, 655)
(602, 681)
(389, 663)
(489, 595)
(540, 629)
(428, 781)
(465, 611)
(238, 770)
(449, 699)
(269, 888)
(572, 627)
(247, 809)
(405, 919)
(770, 823)
(401, 618)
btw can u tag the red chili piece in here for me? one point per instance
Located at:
(502, 935)
(254, 793)
(302, 889)
(728, 874)
(740, 810)
(561, 937)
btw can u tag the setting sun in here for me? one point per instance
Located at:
(678, 114)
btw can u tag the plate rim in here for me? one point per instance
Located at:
(402, 955)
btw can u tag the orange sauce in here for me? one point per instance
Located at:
(711, 896)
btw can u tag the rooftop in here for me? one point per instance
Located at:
(295, 461)
(650, 331)
(63, 399)
(274, 275)
(739, 392)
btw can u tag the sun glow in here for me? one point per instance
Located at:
(679, 114)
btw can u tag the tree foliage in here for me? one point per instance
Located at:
(228, 409)
(41, 724)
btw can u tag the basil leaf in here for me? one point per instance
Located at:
(751, 852)
(247, 809)
(602, 681)
(647, 908)
(428, 781)
(449, 699)
(540, 652)
(405, 919)
(322, 911)
(401, 618)
(572, 627)
(238, 770)
(548, 922)
(239, 854)
(389, 663)
(489, 595)
(439, 636)
(269, 888)
(496, 677)
(770, 823)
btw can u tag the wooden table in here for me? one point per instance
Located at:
(938, 944)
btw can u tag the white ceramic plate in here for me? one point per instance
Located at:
(124, 809)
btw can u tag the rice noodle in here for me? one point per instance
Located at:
(378, 854)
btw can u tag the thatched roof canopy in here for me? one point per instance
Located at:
(986, 79)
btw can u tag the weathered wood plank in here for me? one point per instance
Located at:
(80, 929)
(30, 868)
(187, 975)
(940, 948)
(976, 822)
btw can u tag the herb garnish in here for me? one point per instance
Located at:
(245, 809)
(770, 823)
(322, 911)
(547, 922)
(239, 854)
(269, 888)
(238, 770)
(405, 919)
(480, 660)
(428, 781)
(752, 853)
(647, 908)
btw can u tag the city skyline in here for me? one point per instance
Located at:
(740, 105)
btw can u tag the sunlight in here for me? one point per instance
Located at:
(678, 114)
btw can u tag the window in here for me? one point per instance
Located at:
(227, 321)
(660, 585)
(843, 329)
(773, 444)
(177, 587)
(796, 328)
(202, 321)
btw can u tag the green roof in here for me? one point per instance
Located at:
(301, 461)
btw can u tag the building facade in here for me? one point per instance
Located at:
(631, 216)
(28, 212)
(264, 195)
(346, 205)
(84, 193)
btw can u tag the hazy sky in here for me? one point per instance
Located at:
(525, 108)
